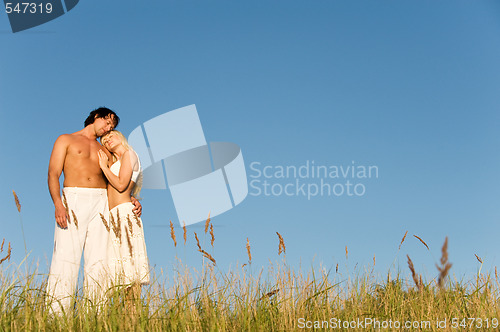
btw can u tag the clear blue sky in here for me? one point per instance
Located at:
(409, 86)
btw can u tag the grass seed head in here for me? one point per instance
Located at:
(65, 203)
(137, 221)
(16, 199)
(197, 240)
(129, 222)
(271, 293)
(248, 252)
(445, 265)
(116, 226)
(212, 237)
(281, 247)
(104, 221)
(207, 255)
(403, 240)
(207, 223)
(9, 252)
(172, 233)
(129, 243)
(75, 220)
(185, 231)
(425, 244)
(416, 278)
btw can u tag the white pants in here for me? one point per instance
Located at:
(87, 231)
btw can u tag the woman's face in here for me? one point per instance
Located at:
(111, 142)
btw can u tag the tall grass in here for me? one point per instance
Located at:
(283, 299)
(277, 298)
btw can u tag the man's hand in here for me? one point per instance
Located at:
(61, 216)
(138, 207)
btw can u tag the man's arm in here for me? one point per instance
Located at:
(55, 169)
(137, 206)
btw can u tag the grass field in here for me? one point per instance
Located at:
(277, 298)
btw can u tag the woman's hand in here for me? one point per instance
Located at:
(103, 159)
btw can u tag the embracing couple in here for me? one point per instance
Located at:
(97, 213)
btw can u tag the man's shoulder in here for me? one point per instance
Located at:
(68, 139)
(76, 136)
(64, 138)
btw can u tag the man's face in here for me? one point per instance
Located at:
(104, 125)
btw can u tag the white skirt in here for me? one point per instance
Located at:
(127, 256)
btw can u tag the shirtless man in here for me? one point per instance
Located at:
(79, 211)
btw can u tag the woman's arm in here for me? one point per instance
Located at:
(122, 181)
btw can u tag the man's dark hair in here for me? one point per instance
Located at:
(101, 112)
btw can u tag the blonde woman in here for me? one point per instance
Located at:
(127, 256)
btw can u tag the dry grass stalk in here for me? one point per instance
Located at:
(18, 205)
(212, 237)
(104, 222)
(373, 260)
(496, 274)
(116, 227)
(244, 265)
(9, 252)
(416, 278)
(248, 252)
(112, 223)
(281, 247)
(445, 265)
(271, 293)
(185, 231)
(403, 240)
(337, 268)
(129, 222)
(346, 253)
(65, 203)
(197, 241)
(207, 223)
(479, 259)
(3, 242)
(129, 243)
(425, 244)
(75, 220)
(207, 255)
(172, 233)
(137, 221)
(119, 226)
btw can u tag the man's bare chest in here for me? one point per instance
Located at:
(83, 150)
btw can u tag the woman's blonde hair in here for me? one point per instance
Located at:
(138, 185)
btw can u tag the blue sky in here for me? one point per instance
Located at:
(409, 86)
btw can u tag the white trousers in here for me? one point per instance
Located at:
(87, 231)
